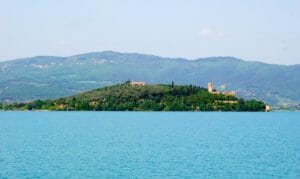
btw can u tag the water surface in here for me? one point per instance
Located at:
(149, 145)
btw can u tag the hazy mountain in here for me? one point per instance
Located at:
(46, 77)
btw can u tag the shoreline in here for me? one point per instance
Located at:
(274, 111)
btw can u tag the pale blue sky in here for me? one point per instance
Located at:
(262, 30)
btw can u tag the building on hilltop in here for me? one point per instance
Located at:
(210, 87)
(138, 83)
(211, 90)
(229, 93)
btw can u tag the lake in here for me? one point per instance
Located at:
(149, 145)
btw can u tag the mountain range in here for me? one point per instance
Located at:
(50, 77)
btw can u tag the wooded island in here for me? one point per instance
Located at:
(142, 97)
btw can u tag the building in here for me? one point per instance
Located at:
(210, 87)
(229, 93)
(268, 108)
(211, 90)
(138, 83)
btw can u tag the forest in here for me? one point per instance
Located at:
(128, 97)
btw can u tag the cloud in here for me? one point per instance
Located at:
(210, 33)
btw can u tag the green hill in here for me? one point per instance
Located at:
(45, 77)
(127, 97)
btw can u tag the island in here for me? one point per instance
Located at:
(138, 96)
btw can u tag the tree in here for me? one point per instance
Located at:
(127, 82)
(150, 105)
(82, 105)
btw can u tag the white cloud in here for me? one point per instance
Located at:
(210, 33)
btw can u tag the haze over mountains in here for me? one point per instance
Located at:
(49, 77)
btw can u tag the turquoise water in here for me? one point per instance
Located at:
(149, 145)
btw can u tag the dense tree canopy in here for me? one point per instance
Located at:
(126, 97)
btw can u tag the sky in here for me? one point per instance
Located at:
(256, 30)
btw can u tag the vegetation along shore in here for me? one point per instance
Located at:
(137, 96)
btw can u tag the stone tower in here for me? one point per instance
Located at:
(210, 87)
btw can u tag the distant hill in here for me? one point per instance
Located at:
(46, 77)
(128, 97)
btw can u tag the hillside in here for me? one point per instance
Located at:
(128, 97)
(46, 77)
